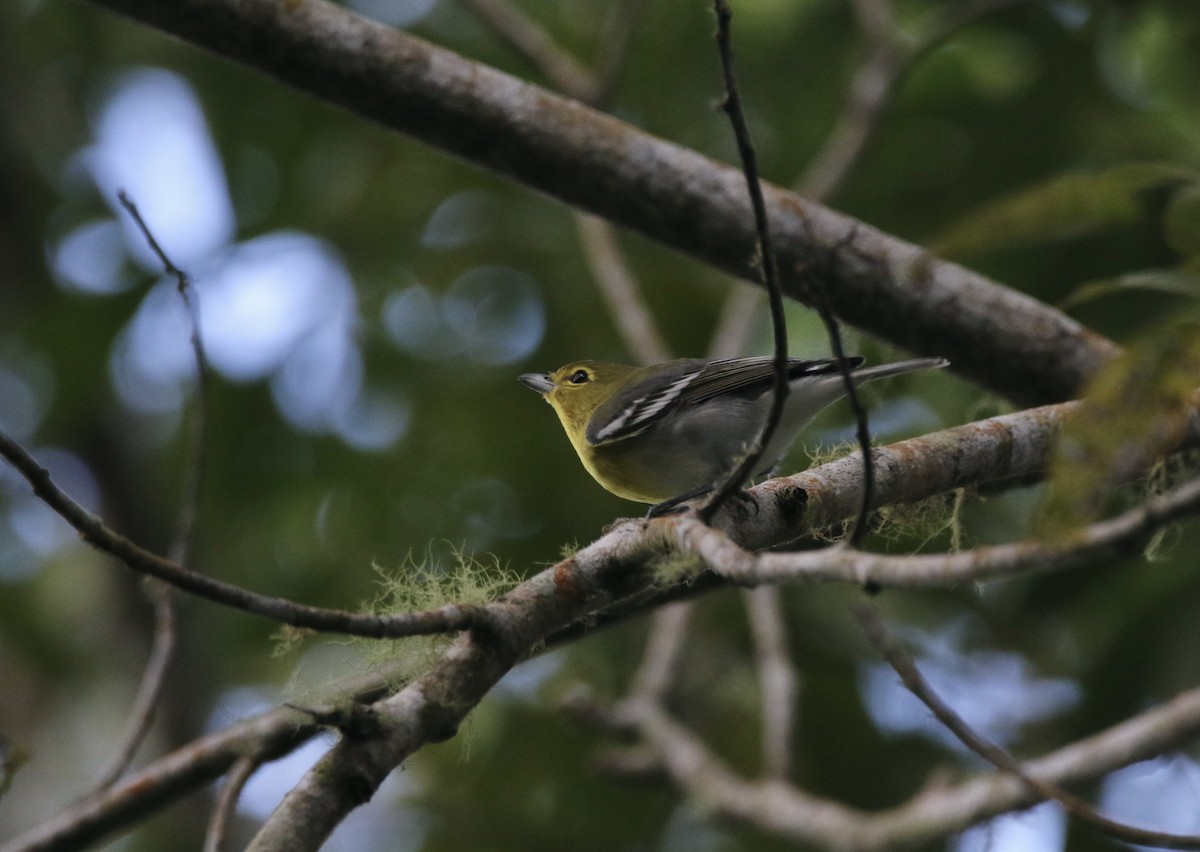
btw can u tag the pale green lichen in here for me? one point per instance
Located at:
(430, 583)
(925, 520)
(419, 583)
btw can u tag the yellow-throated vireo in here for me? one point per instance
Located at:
(666, 432)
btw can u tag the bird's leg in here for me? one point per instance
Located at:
(669, 507)
(674, 504)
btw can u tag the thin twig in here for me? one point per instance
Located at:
(162, 647)
(915, 682)
(931, 815)
(1105, 538)
(446, 619)
(862, 427)
(732, 105)
(737, 321)
(777, 681)
(529, 39)
(620, 291)
(615, 43)
(889, 58)
(600, 249)
(190, 502)
(869, 92)
(226, 805)
(665, 644)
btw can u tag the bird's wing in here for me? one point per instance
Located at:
(752, 376)
(644, 402)
(690, 382)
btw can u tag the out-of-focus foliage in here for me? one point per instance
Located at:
(368, 303)
(1073, 206)
(1132, 411)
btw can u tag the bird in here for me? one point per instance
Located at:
(664, 433)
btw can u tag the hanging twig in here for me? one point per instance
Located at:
(777, 680)
(226, 804)
(732, 105)
(198, 446)
(162, 647)
(862, 427)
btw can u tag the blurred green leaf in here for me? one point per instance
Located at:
(1181, 221)
(1182, 281)
(1135, 410)
(1061, 208)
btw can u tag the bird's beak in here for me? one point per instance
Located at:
(539, 382)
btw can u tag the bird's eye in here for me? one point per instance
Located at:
(579, 377)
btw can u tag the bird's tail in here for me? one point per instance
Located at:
(882, 371)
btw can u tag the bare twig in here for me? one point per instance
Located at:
(732, 105)
(190, 503)
(889, 57)
(777, 682)
(819, 299)
(226, 804)
(600, 249)
(1106, 538)
(621, 293)
(447, 619)
(150, 688)
(862, 431)
(148, 789)
(528, 38)
(915, 682)
(162, 647)
(665, 644)
(933, 814)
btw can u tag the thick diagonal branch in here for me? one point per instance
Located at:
(1008, 341)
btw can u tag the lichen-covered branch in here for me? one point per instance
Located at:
(833, 564)
(503, 632)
